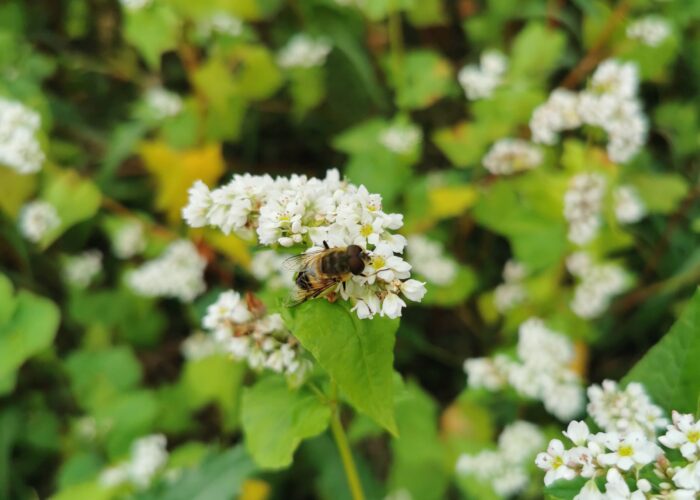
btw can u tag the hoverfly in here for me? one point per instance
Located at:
(320, 270)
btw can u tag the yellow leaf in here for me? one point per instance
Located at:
(230, 245)
(175, 171)
(255, 489)
(451, 201)
(14, 190)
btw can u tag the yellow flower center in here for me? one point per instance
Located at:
(557, 462)
(378, 262)
(694, 436)
(625, 451)
(366, 230)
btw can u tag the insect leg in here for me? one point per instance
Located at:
(325, 244)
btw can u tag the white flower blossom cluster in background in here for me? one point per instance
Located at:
(650, 30)
(401, 139)
(19, 148)
(134, 5)
(80, 270)
(162, 103)
(303, 51)
(430, 261)
(479, 81)
(629, 207)
(511, 292)
(36, 219)
(583, 203)
(148, 457)
(221, 23)
(510, 156)
(243, 329)
(541, 372)
(610, 102)
(598, 284)
(129, 240)
(309, 211)
(628, 444)
(199, 345)
(505, 468)
(178, 273)
(268, 266)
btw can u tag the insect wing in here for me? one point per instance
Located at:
(300, 295)
(302, 261)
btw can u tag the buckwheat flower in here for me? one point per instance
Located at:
(511, 292)
(221, 23)
(80, 270)
(196, 213)
(683, 434)
(582, 206)
(114, 476)
(401, 139)
(520, 441)
(413, 290)
(429, 260)
(554, 462)
(541, 347)
(629, 208)
(268, 267)
(688, 478)
(177, 273)
(129, 240)
(199, 346)
(19, 148)
(228, 308)
(559, 113)
(650, 30)
(590, 491)
(304, 51)
(617, 488)
(135, 5)
(510, 156)
(148, 456)
(634, 449)
(616, 78)
(479, 82)
(578, 432)
(162, 103)
(486, 373)
(36, 219)
(599, 283)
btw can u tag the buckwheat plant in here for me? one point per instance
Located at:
(311, 212)
(19, 147)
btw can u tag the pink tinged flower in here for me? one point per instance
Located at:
(577, 432)
(584, 459)
(554, 461)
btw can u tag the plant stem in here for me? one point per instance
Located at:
(341, 441)
(396, 46)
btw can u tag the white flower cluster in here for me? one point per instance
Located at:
(583, 203)
(510, 156)
(310, 211)
(134, 5)
(650, 30)
(598, 284)
(244, 330)
(429, 260)
(401, 139)
(511, 292)
(479, 81)
(542, 370)
(505, 468)
(624, 410)
(19, 148)
(80, 270)
(147, 458)
(221, 23)
(627, 444)
(303, 51)
(268, 266)
(610, 102)
(129, 240)
(162, 103)
(200, 345)
(178, 273)
(36, 219)
(629, 207)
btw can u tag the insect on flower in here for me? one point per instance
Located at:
(318, 271)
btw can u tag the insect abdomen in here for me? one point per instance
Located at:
(335, 263)
(303, 281)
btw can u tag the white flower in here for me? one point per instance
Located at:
(228, 308)
(129, 240)
(577, 432)
(428, 258)
(268, 267)
(628, 451)
(554, 462)
(616, 488)
(413, 290)
(304, 51)
(162, 103)
(178, 273)
(401, 139)
(479, 82)
(559, 113)
(512, 292)
(147, 458)
(599, 283)
(392, 306)
(629, 208)
(590, 491)
(19, 148)
(582, 206)
(485, 372)
(509, 156)
(615, 78)
(684, 434)
(36, 219)
(198, 346)
(134, 5)
(520, 441)
(80, 270)
(221, 23)
(650, 30)
(688, 477)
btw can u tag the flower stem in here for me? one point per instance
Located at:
(341, 441)
(396, 46)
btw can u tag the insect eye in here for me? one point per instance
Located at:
(354, 250)
(356, 265)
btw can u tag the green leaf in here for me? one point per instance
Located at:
(276, 419)
(425, 77)
(536, 52)
(565, 490)
(661, 193)
(456, 292)
(465, 143)
(15, 189)
(356, 353)
(29, 326)
(670, 371)
(152, 30)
